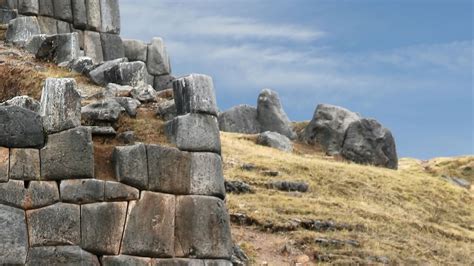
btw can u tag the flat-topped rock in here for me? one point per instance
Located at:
(82, 191)
(21, 29)
(275, 140)
(21, 128)
(195, 94)
(98, 74)
(36, 195)
(14, 236)
(240, 119)
(61, 255)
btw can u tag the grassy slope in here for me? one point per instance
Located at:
(406, 215)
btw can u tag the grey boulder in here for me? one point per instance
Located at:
(135, 50)
(271, 115)
(240, 119)
(21, 128)
(14, 236)
(6, 15)
(28, 7)
(368, 142)
(108, 110)
(24, 102)
(81, 65)
(98, 74)
(144, 93)
(116, 90)
(128, 73)
(63, 10)
(166, 110)
(112, 46)
(46, 8)
(130, 163)
(195, 94)
(34, 43)
(275, 140)
(163, 82)
(61, 255)
(21, 29)
(129, 104)
(158, 62)
(59, 48)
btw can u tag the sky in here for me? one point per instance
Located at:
(406, 63)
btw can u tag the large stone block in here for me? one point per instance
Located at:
(63, 27)
(130, 105)
(102, 226)
(61, 255)
(110, 14)
(195, 94)
(115, 191)
(46, 8)
(48, 25)
(21, 128)
(4, 164)
(124, 260)
(217, 263)
(34, 44)
(98, 74)
(271, 115)
(178, 262)
(68, 155)
(21, 29)
(135, 50)
(93, 15)
(158, 62)
(36, 195)
(131, 165)
(55, 225)
(9, 4)
(28, 7)
(163, 82)
(129, 73)
(149, 230)
(82, 191)
(63, 10)
(79, 13)
(206, 176)
(93, 46)
(112, 46)
(25, 164)
(202, 228)
(195, 132)
(240, 119)
(103, 111)
(6, 15)
(24, 102)
(13, 235)
(275, 140)
(59, 48)
(60, 105)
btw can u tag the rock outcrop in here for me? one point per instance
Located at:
(240, 119)
(275, 140)
(271, 115)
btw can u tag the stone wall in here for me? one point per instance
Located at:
(165, 208)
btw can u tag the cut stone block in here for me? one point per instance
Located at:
(9, 4)
(60, 105)
(21, 128)
(240, 119)
(46, 8)
(48, 25)
(68, 155)
(28, 7)
(34, 43)
(58, 224)
(63, 27)
(21, 29)
(115, 90)
(79, 12)
(81, 65)
(93, 15)
(24, 102)
(195, 94)
(202, 228)
(61, 255)
(195, 132)
(178, 262)
(135, 50)
(82, 191)
(217, 263)
(13, 235)
(6, 15)
(129, 73)
(129, 104)
(131, 165)
(38, 194)
(124, 260)
(110, 14)
(93, 46)
(25, 164)
(63, 10)
(115, 191)
(163, 82)
(59, 48)
(112, 46)
(98, 74)
(102, 111)
(149, 230)
(158, 62)
(102, 226)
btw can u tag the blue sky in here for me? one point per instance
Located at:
(407, 63)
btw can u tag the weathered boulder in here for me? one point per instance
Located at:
(4, 164)
(6, 15)
(93, 15)
(194, 132)
(82, 191)
(124, 260)
(102, 227)
(166, 110)
(21, 128)
(102, 130)
(158, 62)
(144, 93)
(116, 191)
(9, 4)
(93, 46)
(21, 29)
(28, 7)
(63, 10)
(46, 8)
(127, 137)
(81, 65)
(110, 14)
(275, 140)
(217, 263)
(368, 142)
(61, 255)
(131, 165)
(163, 82)
(328, 127)
(195, 94)
(271, 115)
(34, 43)
(202, 228)
(108, 111)
(115, 90)
(237, 187)
(24, 102)
(58, 224)
(79, 12)
(135, 50)
(59, 48)
(150, 226)
(129, 73)
(60, 105)
(173, 171)
(68, 155)
(48, 25)
(14, 236)
(289, 186)
(240, 119)
(98, 74)
(25, 164)
(112, 46)
(38, 194)
(129, 104)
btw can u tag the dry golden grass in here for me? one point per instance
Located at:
(408, 216)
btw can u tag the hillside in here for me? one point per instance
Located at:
(351, 213)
